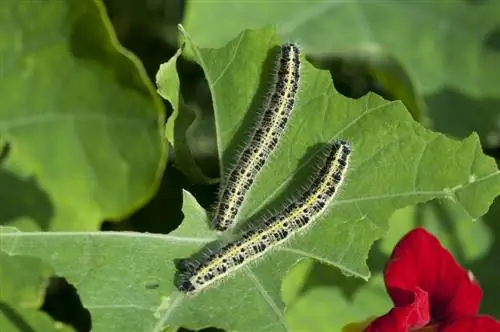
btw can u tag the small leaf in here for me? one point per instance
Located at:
(178, 126)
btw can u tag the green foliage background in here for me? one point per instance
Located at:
(89, 193)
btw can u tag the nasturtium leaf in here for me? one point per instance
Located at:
(439, 43)
(81, 120)
(23, 280)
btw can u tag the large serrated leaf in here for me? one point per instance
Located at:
(439, 43)
(79, 116)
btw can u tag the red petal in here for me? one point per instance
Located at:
(413, 315)
(419, 261)
(472, 324)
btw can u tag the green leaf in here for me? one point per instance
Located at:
(23, 201)
(83, 124)
(455, 114)
(487, 269)
(23, 281)
(438, 43)
(468, 242)
(150, 19)
(333, 309)
(180, 124)
(123, 292)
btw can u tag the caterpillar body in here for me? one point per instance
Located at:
(296, 216)
(263, 141)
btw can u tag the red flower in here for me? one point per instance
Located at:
(430, 290)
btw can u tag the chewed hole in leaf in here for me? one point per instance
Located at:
(63, 303)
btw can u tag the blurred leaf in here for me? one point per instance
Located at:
(149, 18)
(22, 201)
(439, 43)
(468, 242)
(321, 309)
(23, 280)
(455, 114)
(392, 77)
(79, 115)
(487, 269)
(147, 28)
(332, 310)
(295, 279)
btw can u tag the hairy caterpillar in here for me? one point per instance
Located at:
(264, 139)
(194, 275)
